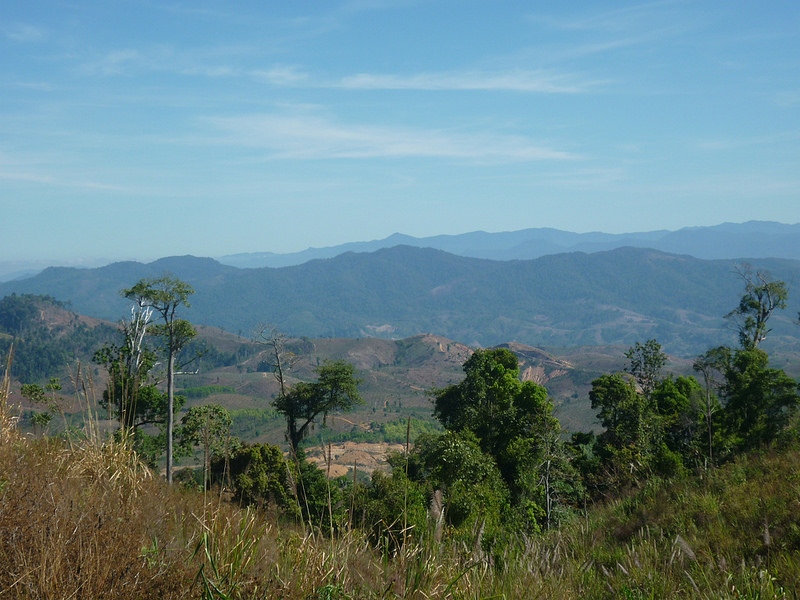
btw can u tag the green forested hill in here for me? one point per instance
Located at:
(615, 297)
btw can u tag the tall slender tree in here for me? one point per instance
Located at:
(280, 359)
(762, 296)
(165, 295)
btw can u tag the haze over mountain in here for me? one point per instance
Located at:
(613, 297)
(754, 239)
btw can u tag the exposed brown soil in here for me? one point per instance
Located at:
(345, 455)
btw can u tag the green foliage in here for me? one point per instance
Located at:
(45, 396)
(247, 422)
(659, 433)
(33, 393)
(336, 389)
(208, 426)
(18, 313)
(501, 463)
(484, 401)
(760, 402)
(393, 507)
(762, 296)
(207, 390)
(322, 501)
(131, 393)
(41, 420)
(474, 488)
(646, 362)
(631, 428)
(260, 475)
(164, 295)
(42, 349)
(493, 403)
(390, 432)
(150, 447)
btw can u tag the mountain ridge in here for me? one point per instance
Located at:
(613, 297)
(752, 239)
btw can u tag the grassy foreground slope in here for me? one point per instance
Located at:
(84, 520)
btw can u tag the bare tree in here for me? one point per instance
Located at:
(281, 360)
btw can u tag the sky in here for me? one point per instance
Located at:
(136, 130)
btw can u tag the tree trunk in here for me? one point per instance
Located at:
(170, 411)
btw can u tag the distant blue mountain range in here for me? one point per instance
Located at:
(754, 239)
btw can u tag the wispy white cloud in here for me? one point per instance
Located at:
(731, 143)
(222, 61)
(516, 80)
(372, 5)
(605, 31)
(629, 18)
(116, 62)
(22, 32)
(32, 169)
(61, 182)
(582, 178)
(208, 64)
(39, 86)
(787, 99)
(314, 138)
(281, 75)
(211, 71)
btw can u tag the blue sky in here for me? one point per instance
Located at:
(146, 129)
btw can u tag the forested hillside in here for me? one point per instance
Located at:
(687, 491)
(615, 297)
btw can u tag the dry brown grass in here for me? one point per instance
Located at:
(68, 536)
(8, 416)
(73, 526)
(81, 518)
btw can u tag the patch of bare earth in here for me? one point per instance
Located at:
(367, 457)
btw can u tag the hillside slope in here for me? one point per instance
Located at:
(617, 297)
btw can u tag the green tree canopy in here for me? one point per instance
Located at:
(165, 295)
(491, 401)
(646, 362)
(762, 296)
(208, 426)
(260, 474)
(759, 401)
(512, 423)
(336, 389)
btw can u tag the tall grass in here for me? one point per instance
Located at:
(8, 418)
(66, 534)
(84, 519)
